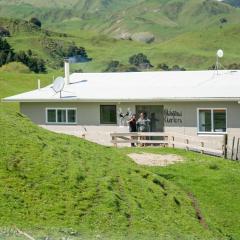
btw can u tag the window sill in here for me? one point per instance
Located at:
(211, 133)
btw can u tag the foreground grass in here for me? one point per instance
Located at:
(214, 182)
(60, 181)
(56, 185)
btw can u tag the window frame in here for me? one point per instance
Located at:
(56, 118)
(104, 123)
(212, 121)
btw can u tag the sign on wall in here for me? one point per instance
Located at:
(172, 116)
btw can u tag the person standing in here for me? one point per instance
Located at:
(143, 125)
(133, 126)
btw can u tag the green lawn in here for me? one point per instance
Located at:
(213, 181)
(57, 185)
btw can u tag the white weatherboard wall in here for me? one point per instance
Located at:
(88, 114)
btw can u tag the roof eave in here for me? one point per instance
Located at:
(227, 99)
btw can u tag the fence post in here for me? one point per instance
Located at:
(233, 144)
(202, 145)
(225, 142)
(237, 148)
(114, 143)
(173, 139)
(187, 142)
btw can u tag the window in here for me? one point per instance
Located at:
(72, 116)
(212, 120)
(61, 116)
(51, 116)
(108, 114)
(219, 117)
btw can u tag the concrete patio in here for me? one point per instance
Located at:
(97, 134)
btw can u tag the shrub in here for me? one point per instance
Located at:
(163, 66)
(4, 32)
(35, 21)
(140, 60)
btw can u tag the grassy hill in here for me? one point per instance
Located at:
(164, 19)
(60, 186)
(192, 50)
(51, 181)
(186, 33)
(56, 185)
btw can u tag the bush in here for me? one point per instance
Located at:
(223, 20)
(6, 52)
(112, 66)
(35, 21)
(140, 60)
(234, 66)
(163, 66)
(4, 32)
(116, 66)
(7, 55)
(177, 68)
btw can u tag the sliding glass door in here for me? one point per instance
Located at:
(154, 114)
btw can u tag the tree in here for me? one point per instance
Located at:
(8, 55)
(223, 20)
(140, 60)
(6, 52)
(35, 21)
(177, 68)
(29, 52)
(163, 66)
(22, 57)
(116, 66)
(112, 66)
(234, 66)
(4, 32)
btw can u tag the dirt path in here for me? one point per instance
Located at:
(151, 159)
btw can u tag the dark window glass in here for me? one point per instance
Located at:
(108, 114)
(61, 115)
(205, 121)
(71, 116)
(219, 117)
(51, 115)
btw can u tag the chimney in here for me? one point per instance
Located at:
(67, 71)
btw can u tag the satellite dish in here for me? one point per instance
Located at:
(220, 53)
(58, 84)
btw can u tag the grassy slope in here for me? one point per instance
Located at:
(65, 183)
(61, 182)
(163, 18)
(192, 50)
(181, 38)
(213, 181)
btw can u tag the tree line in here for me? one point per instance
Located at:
(139, 62)
(7, 55)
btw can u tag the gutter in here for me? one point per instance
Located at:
(227, 99)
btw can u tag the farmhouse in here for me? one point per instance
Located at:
(187, 102)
